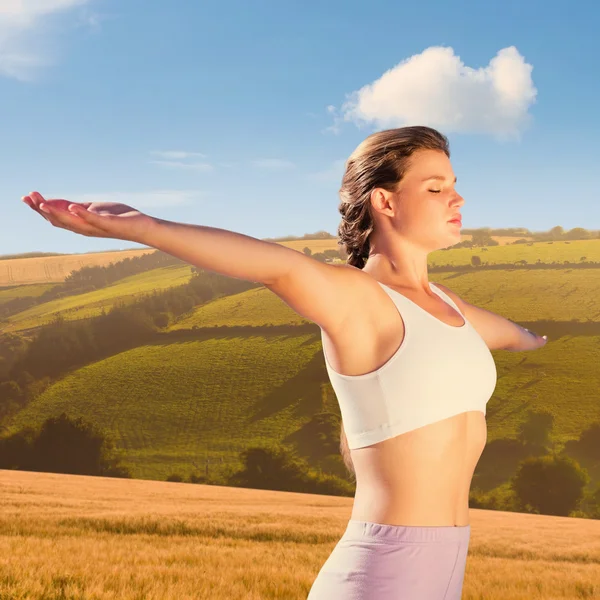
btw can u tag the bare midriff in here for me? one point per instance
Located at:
(420, 478)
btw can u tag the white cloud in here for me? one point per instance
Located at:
(24, 45)
(176, 154)
(175, 159)
(336, 128)
(333, 173)
(174, 164)
(436, 88)
(92, 20)
(140, 200)
(272, 163)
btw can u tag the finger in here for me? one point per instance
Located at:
(37, 198)
(27, 200)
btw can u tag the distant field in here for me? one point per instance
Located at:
(67, 536)
(322, 245)
(257, 307)
(537, 302)
(520, 295)
(54, 269)
(546, 252)
(192, 397)
(34, 290)
(90, 304)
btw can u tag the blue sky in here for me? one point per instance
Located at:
(240, 114)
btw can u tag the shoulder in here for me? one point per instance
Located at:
(357, 277)
(364, 290)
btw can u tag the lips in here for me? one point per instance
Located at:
(456, 220)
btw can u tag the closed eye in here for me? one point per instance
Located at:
(435, 191)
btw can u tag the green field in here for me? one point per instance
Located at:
(557, 295)
(257, 307)
(189, 396)
(193, 399)
(126, 290)
(546, 252)
(24, 291)
(90, 304)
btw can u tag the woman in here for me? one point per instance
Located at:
(411, 373)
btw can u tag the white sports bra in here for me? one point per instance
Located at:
(438, 371)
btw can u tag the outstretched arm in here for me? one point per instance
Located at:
(323, 293)
(498, 332)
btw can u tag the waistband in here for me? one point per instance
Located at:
(407, 533)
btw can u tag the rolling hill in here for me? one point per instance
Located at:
(198, 394)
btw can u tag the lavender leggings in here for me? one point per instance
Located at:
(376, 561)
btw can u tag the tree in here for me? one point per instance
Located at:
(536, 430)
(67, 446)
(550, 485)
(16, 450)
(482, 237)
(577, 233)
(589, 441)
(72, 446)
(271, 467)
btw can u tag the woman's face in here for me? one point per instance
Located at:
(427, 200)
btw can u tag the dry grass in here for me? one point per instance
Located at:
(65, 536)
(54, 269)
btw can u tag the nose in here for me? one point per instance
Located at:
(460, 199)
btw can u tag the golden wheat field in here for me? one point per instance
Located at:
(78, 537)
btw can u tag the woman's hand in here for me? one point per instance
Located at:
(538, 341)
(92, 219)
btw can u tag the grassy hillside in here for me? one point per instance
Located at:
(34, 290)
(191, 395)
(192, 399)
(257, 308)
(211, 397)
(90, 304)
(546, 252)
(555, 295)
(53, 269)
(196, 398)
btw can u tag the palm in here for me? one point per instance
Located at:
(116, 220)
(100, 208)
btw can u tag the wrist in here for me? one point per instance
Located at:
(147, 232)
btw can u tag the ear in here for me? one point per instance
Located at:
(382, 201)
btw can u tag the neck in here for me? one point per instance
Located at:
(402, 271)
